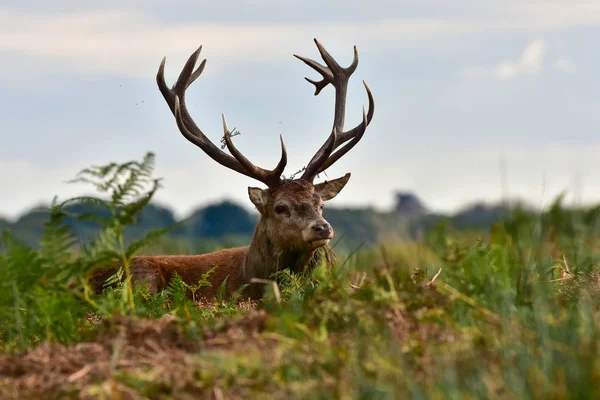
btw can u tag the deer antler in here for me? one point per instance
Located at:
(175, 98)
(338, 77)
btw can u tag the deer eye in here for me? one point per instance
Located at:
(281, 209)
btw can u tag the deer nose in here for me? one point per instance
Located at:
(324, 230)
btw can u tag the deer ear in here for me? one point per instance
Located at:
(329, 189)
(259, 198)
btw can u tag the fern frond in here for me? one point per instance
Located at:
(177, 289)
(222, 291)
(128, 211)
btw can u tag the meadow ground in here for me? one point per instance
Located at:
(505, 314)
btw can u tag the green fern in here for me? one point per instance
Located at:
(221, 291)
(44, 293)
(203, 282)
(290, 283)
(177, 290)
(130, 188)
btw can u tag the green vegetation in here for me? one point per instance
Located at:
(508, 312)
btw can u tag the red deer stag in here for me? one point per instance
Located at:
(291, 232)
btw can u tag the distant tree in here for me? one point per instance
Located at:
(353, 227)
(479, 216)
(409, 206)
(30, 226)
(153, 217)
(222, 219)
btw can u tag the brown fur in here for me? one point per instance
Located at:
(281, 240)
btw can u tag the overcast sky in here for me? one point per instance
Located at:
(460, 88)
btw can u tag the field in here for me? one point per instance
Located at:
(513, 312)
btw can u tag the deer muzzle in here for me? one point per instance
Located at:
(319, 234)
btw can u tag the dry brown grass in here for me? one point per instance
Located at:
(155, 349)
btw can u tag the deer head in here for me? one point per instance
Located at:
(290, 209)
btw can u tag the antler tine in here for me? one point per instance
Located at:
(343, 137)
(175, 98)
(324, 71)
(218, 157)
(282, 161)
(360, 131)
(185, 76)
(339, 78)
(269, 178)
(333, 65)
(312, 169)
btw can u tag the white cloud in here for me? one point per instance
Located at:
(30, 185)
(535, 173)
(530, 62)
(564, 64)
(132, 42)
